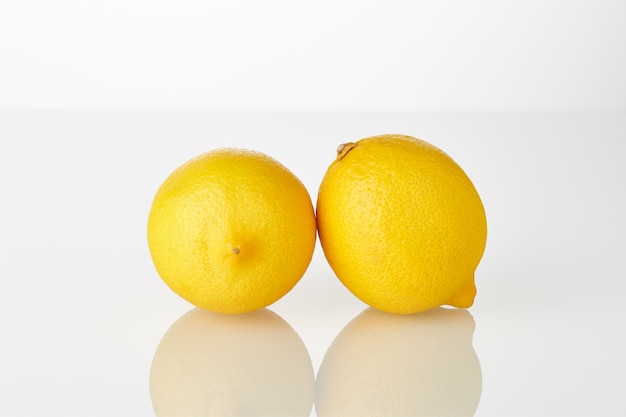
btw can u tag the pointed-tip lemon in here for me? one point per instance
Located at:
(401, 224)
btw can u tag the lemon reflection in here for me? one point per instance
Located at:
(209, 364)
(391, 365)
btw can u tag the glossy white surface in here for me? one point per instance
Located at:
(82, 310)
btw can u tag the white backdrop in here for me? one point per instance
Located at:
(279, 54)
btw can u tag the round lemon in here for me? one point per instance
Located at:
(401, 224)
(231, 231)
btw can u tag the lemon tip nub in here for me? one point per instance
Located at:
(464, 298)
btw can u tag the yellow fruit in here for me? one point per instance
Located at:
(231, 231)
(401, 224)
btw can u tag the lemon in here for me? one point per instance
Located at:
(231, 230)
(401, 224)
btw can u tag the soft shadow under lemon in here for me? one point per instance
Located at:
(209, 364)
(395, 365)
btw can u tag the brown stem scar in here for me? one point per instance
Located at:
(344, 148)
(235, 251)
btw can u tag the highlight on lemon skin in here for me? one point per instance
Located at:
(401, 224)
(231, 231)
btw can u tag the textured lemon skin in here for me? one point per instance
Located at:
(231, 230)
(401, 224)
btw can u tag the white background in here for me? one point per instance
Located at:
(378, 55)
(102, 100)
